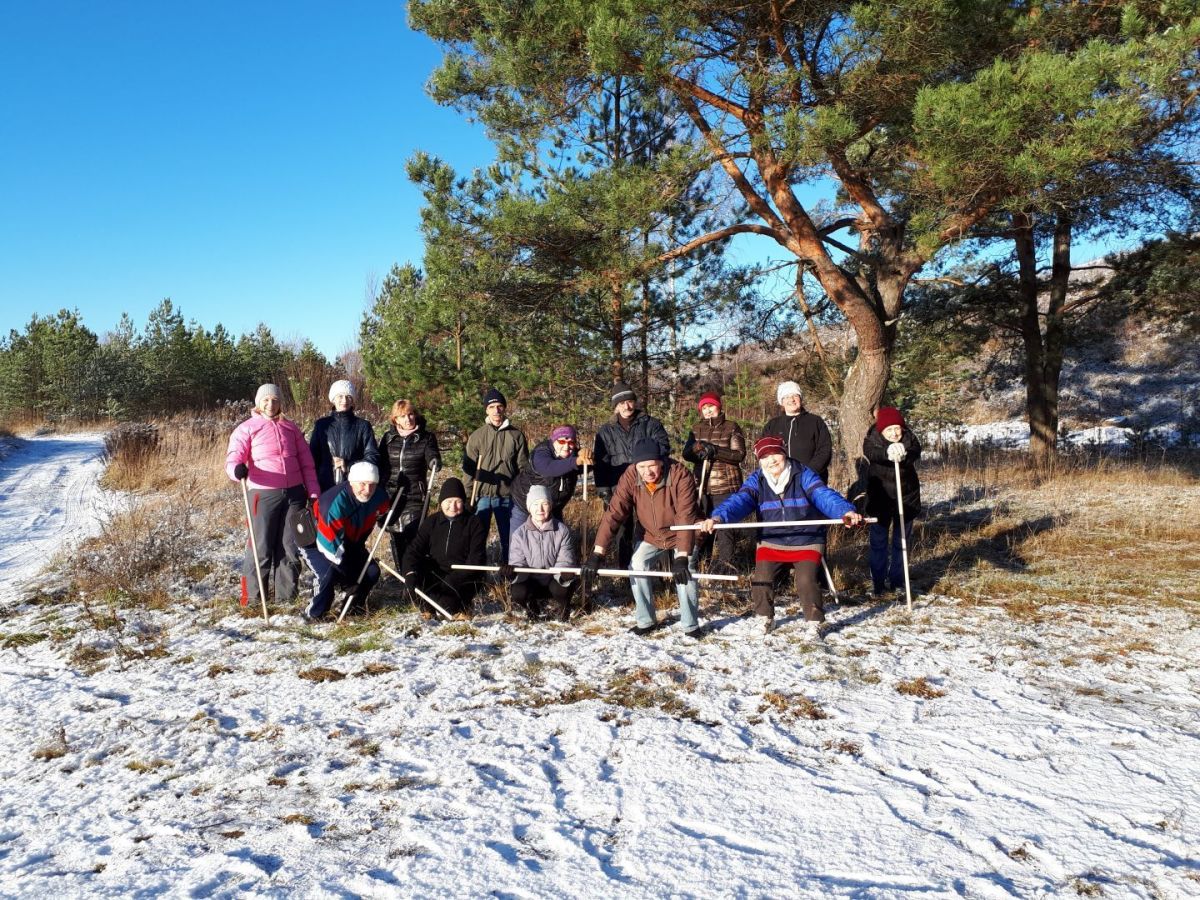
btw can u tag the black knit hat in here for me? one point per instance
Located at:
(622, 392)
(493, 396)
(645, 450)
(452, 487)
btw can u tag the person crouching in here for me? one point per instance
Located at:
(541, 542)
(445, 539)
(345, 515)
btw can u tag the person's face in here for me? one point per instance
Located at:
(563, 447)
(271, 407)
(710, 410)
(539, 511)
(362, 490)
(343, 402)
(625, 409)
(774, 464)
(406, 421)
(893, 433)
(792, 404)
(495, 413)
(452, 506)
(650, 470)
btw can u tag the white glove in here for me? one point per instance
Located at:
(896, 452)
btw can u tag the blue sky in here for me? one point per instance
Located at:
(244, 159)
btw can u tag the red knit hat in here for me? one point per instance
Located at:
(766, 446)
(887, 416)
(708, 397)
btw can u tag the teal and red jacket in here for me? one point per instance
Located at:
(341, 519)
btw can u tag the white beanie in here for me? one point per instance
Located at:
(264, 391)
(341, 387)
(786, 389)
(537, 492)
(364, 471)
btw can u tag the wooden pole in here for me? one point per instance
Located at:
(262, 593)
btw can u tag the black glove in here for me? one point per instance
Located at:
(710, 450)
(507, 573)
(590, 570)
(680, 569)
(605, 495)
(241, 472)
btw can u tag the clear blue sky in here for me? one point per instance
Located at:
(244, 159)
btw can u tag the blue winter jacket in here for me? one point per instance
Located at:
(805, 497)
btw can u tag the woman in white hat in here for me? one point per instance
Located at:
(341, 439)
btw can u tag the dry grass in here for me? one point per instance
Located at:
(919, 687)
(320, 674)
(159, 455)
(792, 706)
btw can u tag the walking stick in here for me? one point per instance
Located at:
(370, 555)
(585, 588)
(608, 573)
(700, 484)
(903, 536)
(262, 593)
(433, 473)
(829, 579)
(420, 593)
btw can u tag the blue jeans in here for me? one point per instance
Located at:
(644, 559)
(501, 508)
(880, 564)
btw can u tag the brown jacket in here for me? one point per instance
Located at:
(673, 503)
(724, 472)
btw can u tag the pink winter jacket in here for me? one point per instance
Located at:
(275, 451)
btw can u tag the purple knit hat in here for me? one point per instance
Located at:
(563, 431)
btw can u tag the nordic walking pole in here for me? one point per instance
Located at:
(700, 484)
(433, 474)
(696, 527)
(370, 555)
(262, 594)
(829, 578)
(584, 587)
(903, 537)
(613, 573)
(420, 593)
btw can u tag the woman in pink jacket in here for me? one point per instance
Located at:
(271, 454)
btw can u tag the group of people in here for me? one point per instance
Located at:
(317, 502)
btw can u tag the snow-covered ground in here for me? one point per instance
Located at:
(956, 751)
(1014, 434)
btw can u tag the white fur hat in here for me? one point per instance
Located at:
(786, 389)
(342, 387)
(363, 471)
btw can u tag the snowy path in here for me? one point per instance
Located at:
(49, 500)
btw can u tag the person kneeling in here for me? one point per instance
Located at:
(345, 515)
(445, 539)
(541, 542)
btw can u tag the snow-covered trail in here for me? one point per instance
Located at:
(50, 497)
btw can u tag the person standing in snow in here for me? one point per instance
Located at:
(345, 515)
(542, 541)
(889, 441)
(783, 490)
(659, 492)
(805, 435)
(341, 439)
(614, 454)
(408, 454)
(495, 453)
(268, 452)
(717, 447)
(554, 464)
(450, 536)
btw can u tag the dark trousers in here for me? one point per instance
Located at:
(453, 591)
(403, 529)
(530, 592)
(725, 539)
(277, 553)
(330, 576)
(762, 588)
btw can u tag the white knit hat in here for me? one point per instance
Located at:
(341, 387)
(264, 391)
(364, 471)
(786, 389)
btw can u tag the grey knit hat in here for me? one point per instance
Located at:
(536, 493)
(622, 392)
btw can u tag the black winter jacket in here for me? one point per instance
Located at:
(405, 463)
(341, 434)
(614, 448)
(558, 475)
(806, 439)
(441, 542)
(881, 476)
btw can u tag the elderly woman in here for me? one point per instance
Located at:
(448, 537)
(408, 454)
(268, 452)
(556, 465)
(341, 439)
(542, 542)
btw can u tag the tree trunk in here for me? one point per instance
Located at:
(616, 326)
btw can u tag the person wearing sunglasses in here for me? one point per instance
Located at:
(555, 464)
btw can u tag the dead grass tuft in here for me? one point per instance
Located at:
(297, 818)
(55, 748)
(792, 706)
(375, 669)
(320, 674)
(919, 687)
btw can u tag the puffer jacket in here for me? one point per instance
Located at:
(441, 542)
(542, 548)
(559, 476)
(345, 435)
(614, 448)
(724, 472)
(806, 439)
(805, 497)
(343, 521)
(881, 475)
(493, 456)
(405, 462)
(673, 502)
(275, 453)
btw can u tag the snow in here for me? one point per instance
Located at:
(518, 760)
(1014, 434)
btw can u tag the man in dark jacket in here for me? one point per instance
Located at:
(805, 435)
(717, 447)
(495, 453)
(614, 453)
(448, 537)
(887, 443)
(341, 439)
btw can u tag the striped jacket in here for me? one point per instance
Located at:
(341, 519)
(805, 497)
